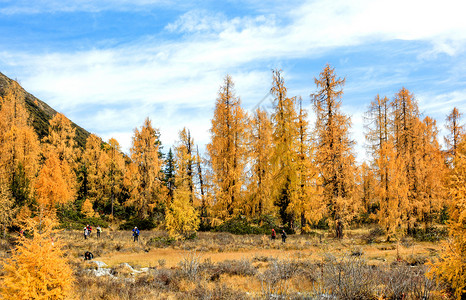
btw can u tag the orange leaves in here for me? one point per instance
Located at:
(147, 188)
(451, 268)
(53, 183)
(227, 150)
(37, 269)
(334, 157)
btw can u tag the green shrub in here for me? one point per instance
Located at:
(141, 224)
(161, 241)
(240, 225)
(431, 234)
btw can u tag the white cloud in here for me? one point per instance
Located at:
(159, 78)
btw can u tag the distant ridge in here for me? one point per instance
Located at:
(40, 113)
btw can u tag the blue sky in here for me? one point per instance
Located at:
(108, 65)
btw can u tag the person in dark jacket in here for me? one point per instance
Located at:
(283, 236)
(135, 234)
(88, 255)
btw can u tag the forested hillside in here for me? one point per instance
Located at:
(40, 112)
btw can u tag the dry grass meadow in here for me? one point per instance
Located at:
(227, 266)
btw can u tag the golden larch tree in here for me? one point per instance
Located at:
(455, 131)
(51, 186)
(431, 172)
(284, 158)
(451, 267)
(181, 219)
(334, 157)
(184, 152)
(61, 138)
(227, 150)
(407, 131)
(19, 147)
(260, 200)
(87, 209)
(390, 189)
(37, 268)
(115, 168)
(147, 187)
(61, 141)
(308, 205)
(95, 160)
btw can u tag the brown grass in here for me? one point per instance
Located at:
(226, 266)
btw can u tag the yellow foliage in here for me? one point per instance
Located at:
(22, 217)
(19, 150)
(227, 150)
(144, 175)
(334, 158)
(52, 187)
(451, 268)
(36, 269)
(6, 205)
(181, 218)
(87, 209)
(260, 200)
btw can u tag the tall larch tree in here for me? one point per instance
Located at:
(61, 138)
(185, 153)
(390, 189)
(52, 187)
(451, 267)
(334, 157)
(431, 171)
(181, 218)
(94, 159)
(455, 131)
(406, 130)
(115, 171)
(308, 205)
(260, 153)
(61, 141)
(147, 187)
(19, 148)
(285, 134)
(227, 151)
(367, 186)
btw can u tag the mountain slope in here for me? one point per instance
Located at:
(40, 113)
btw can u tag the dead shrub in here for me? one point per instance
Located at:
(401, 280)
(242, 267)
(160, 279)
(348, 277)
(275, 280)
(190, 266)
(91, 287)
(217, 292)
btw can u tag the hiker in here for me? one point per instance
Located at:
(99, 230)
(88, 255)
(274, 234)
(283, 236)
(136, 234)
(86, 232)
(89, 229)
